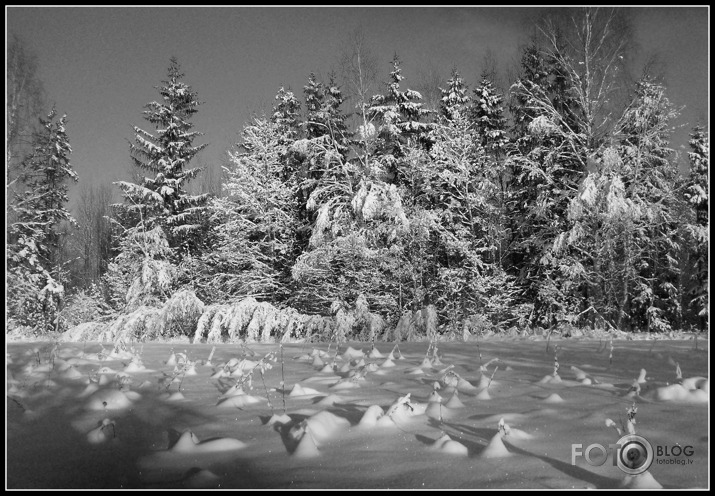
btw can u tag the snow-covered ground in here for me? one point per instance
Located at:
(356, 420)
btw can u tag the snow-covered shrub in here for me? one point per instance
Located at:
(50, 298)
(542, 126)
(23, 306)
(417, 324)
(375, 200)
(87, 305)
(180, 314)
(251, 320)
(86, 331)
(143, 324)
(151, 284)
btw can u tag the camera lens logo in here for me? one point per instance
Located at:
(635, 455)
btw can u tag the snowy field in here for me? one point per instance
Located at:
(481, 415)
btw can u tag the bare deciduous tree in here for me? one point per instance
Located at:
(358, 67)
(93, 243)
(590, 46)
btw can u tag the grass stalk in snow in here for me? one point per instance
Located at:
(492, 377)
(263, 380)
(655, 338)
(479, 349)
(556, 361)
(610, 353)
(283, 380)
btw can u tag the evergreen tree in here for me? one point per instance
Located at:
(256, 222)
(698, 237)
(546, 163)
(286, 115)
(398, 115)
(644, 129)
(487, 114)
(162, 200)
(622, 249)
(35, 274)
(452, 205)
(454, 97)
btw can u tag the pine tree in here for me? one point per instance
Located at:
(35, 275)
(162, 200)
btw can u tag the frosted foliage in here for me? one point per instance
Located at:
(344, 322)
(154, 280)
(378, 200)
(589, 193)
(366, 131)
(143, 323)
(542, 126)
(322, 223)
(181, 313)
(251, 320)
(611, 159)
(416, 324)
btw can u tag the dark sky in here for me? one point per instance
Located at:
(100, 65)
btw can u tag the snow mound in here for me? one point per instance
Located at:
(371, 416)
(351, 353)
(580, 374)
(189, 443)
(201, 479)
(299, 390)
(550, 379)
(692, 383)
(676, 392)
(387, 364)
(111, 399)
(307, 447)
(325, 425)
(235, 390)
(102, 434)
(240, 401)
(640, 481)
(495, 448)
(279, 419)
(375, 353)
(483, 395)
(72, 374)
(446, 444)
(553, 398)
(455, 402)
(175, 396)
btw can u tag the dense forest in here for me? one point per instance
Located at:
(365, 211)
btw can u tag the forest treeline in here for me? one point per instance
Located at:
(557, 201)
